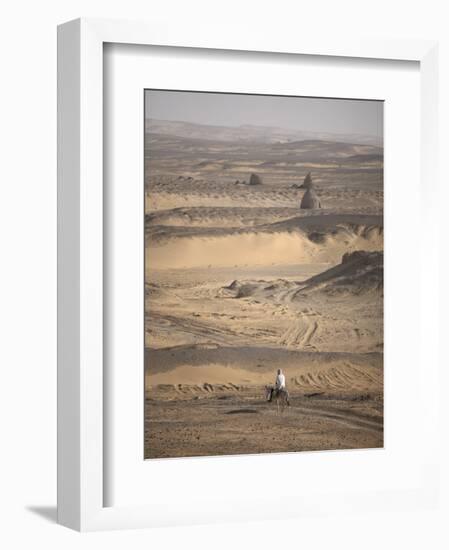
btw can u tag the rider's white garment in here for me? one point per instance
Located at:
(280, 381)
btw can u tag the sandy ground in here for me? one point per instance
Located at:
(239, 282)
(242, 423)
(203, 400)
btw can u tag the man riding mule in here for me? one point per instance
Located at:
(279, 390)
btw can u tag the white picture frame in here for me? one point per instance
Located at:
(81, 408)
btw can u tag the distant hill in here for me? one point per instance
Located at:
(262, 134)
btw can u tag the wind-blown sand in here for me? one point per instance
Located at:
(241, 282)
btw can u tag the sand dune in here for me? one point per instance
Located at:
(341, 377)
(262, 249)
(191, 369)
(306, 239)
(232, 250)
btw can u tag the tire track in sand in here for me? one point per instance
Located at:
(301, 333)
(353, 420)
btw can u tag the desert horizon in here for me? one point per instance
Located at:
(263, 251)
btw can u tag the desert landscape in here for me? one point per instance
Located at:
(240, 280)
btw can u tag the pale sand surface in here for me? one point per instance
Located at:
(241, 282)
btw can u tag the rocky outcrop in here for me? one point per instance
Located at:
(359, 272)
(255, 180)
(310, 199)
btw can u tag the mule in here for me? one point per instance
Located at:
(281, 397)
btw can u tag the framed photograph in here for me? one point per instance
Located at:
(241, 329)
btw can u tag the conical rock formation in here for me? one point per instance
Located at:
(310, 199)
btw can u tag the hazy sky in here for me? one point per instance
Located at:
(336, 116)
